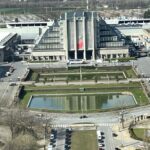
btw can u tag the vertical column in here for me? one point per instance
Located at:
(66, 36)
(75, 36)
(93, 37)
(84, 39)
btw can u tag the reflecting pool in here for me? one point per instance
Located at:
(81, 102)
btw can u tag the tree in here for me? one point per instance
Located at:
(67, 80)
(117, 78)
(19, 122)
(45, 80)
(22, 142)
(147, 14)
(11, 122)
(96, 79)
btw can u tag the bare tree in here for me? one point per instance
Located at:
(19, 122)
(22, 142)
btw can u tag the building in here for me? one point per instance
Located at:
(79, 35)
(139, 36)
(8, 42)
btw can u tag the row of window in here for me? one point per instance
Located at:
(106, 33)
(111, 44)
(49, 46)
(108, 38)
(50, 40)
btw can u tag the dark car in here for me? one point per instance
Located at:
(115, 135)
(101, 141)
(84, 116)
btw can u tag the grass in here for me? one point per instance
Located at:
(99, 73)
(131, 84)
(84, 140)
(140, 133)
(130, 73)
(134, 88)
(139, 96)
(76, 76)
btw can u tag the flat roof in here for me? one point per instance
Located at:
(3, 35)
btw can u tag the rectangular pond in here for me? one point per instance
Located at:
(81, 102)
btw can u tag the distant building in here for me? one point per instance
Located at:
(8, 42)
(79, 35)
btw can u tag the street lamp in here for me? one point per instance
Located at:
(80, 75)
(122, 118)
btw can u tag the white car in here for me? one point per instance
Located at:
(52, 136)
(100, 145)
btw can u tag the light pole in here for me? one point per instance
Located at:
(122, 118)
(81, 105)
(80, 75)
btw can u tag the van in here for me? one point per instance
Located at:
(99, 136)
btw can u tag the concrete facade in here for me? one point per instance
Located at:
(79, 36)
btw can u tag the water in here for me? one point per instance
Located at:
(78, 103)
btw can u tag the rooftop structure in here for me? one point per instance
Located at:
(29, 24)
(128, 21)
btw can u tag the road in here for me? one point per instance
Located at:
(101, 119)
(7, 92)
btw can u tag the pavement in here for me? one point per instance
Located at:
(46, 65)
(142, 66)
(60, 141)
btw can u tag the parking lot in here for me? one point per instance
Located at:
(60, 139)
(142, 66)
(105, 138)
(73, 139)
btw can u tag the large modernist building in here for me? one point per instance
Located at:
(8, 42)
(79, 35)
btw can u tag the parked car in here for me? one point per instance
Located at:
(101, 145)
(12, 83)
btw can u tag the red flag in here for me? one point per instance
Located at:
(80, 44)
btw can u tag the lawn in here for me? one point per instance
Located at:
(88, 73)
(140, 133)
(134, 88)
(84, 140)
